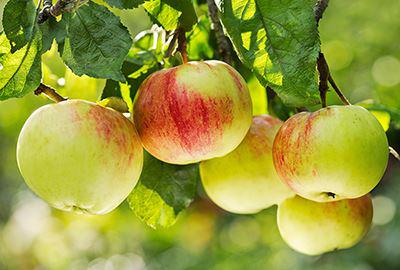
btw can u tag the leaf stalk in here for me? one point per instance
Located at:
(49, 92)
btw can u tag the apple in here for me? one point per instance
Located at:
(245, 181)
(193, 112)
(338, 152)
(79, 156)
(314, 228)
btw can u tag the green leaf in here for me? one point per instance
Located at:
(21, 70)
(171, 14)
(163, 191)
(258, 96)
(376, 108)
(51, 30)
(4, 45)
(278, 109)
(199, 43)
(143, 59)
(111, 89)
(278, 40)
(383, 118)
(136, 69)
(97, 43)
(18, 22)
(124, 4)
(116, 103)
(139, 67)
(34, 75)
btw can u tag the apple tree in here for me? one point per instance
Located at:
(185, 102)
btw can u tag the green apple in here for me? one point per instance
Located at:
(193, 112)
(245, 181)
(338, 152)
(79, 156)
(314, 228)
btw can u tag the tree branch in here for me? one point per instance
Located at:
(182, 44)
(323, 70)
(324, 78)
(61, 6)
(224, 47)
(49, 92)
(320, 8)
(322, 66)
(172, 44)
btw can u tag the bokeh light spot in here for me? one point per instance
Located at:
(338, 53)
(384, 210)
(61, 81)
(386, 71)
(244, 233)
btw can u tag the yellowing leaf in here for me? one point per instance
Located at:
(383, 118)
(258, 96)
(83, 87)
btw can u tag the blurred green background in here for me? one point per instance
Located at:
(361, 42)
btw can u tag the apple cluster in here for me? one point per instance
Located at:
(318, 167)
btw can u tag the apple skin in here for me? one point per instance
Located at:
(339, 152)
(79, 156)
(314, 228)
(193, 112)
(244, 181)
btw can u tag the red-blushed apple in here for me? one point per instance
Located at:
(79, 156)
(193, 112)
(245, 181)
(314, 228)
(338, 152)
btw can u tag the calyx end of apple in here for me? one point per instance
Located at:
(325, 196)
(330, 195)
(77, 209)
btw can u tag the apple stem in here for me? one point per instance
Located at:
(182, 44)
(322, 66)
(224, 47)
(49, 92)
(338, 92)
(394, 153)
(325, 77)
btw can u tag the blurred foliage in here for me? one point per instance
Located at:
(361, 43)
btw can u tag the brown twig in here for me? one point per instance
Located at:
(323, 70)
(224, 47)
(325, 77)
(182, 44)
(171, 44)
(49, 92)
(320, 8)
(61, 6)
(322, 66)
